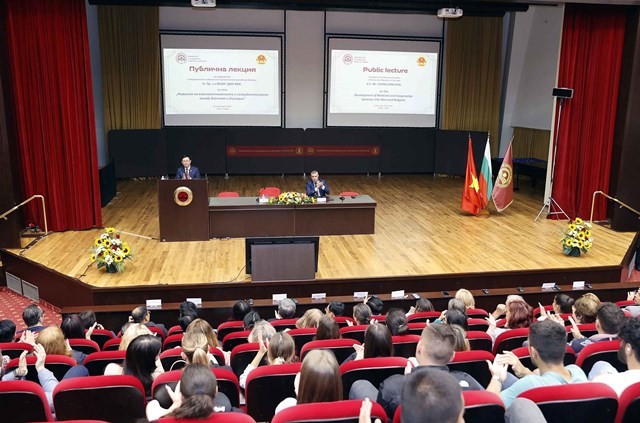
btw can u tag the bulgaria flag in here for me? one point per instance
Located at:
(503, 189)
(486, 180)
(470, 199)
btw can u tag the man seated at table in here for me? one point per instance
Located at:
(317, 187)
(187, 171)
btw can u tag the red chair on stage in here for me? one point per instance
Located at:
(341, 348)
(269, 192)
(375, 370)
(473, 363)
(405, 345)
(86, 346)
(577, 402)
(479, 340)
(629, 404)
(346, 411)
(228, 194)
(24, 401)
(228, 327)
(600, 351)
(349, 194)
(267, 386)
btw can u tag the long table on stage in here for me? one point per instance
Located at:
(242, 217)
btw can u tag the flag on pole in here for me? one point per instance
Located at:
(503, 189)
(470, 199)
(485, 176)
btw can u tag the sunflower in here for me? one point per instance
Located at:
(587, 233)
(581, 236)
(118, 259)
(580, 244)
(126, 251)
(568, 242)
(93, 258)
(110, 230)
(572, 227)
(107, 243)
(98, 242)
(578, 221)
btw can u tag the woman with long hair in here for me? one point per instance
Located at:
(202, 326)
(142, 361)
(319, 380)
(361, 314)
(377, 343)
(519, 314)
(309, 319)
(327, 329)
(280, 349)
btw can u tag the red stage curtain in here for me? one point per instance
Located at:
(590, 61)
(53, 99)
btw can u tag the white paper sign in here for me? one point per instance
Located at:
(548, 285)
(196, 301)
(397, 294)
(278, 297)
(321, 200)
(319, 296)
(360, 294)
(154, 304)
(578, 284)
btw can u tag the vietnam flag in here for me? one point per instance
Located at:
(485, 177)
(503, 189)
(470, 198)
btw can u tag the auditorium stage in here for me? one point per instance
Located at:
(419, 231)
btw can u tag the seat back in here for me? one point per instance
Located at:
(423, 316)
(100, 336)
(172, 341)
(85, 346)
(96, 362)
(228, 327)
(341, 348)
(214, 418)
(23, 401)
(416, 328)
(282, 324)
(59, 365)
(234, 339)
(112, 344)
(629, 404)
(475, 324)
(354, 332)
(227, 384)
(473, 363)
(269, 192)
(586, 329)
(405, 345)
(267, 386)
(14, 349)
(600, 351)
(242, 355)
(524, 355)
(375, 370)
(172, 359)
(220, 358)
(342, 321)
(301, 337)
(482, 407)
(479, 340)
(477, 313)
(157, 331)
(510, 340)
(346, 411)
(228, 194)
(174, 330)
(537, 311)
(578, 402)
(109, 398)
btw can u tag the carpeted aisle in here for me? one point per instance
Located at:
(11, 305)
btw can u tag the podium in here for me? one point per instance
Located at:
(183, 209)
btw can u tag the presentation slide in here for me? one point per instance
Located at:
(383, 87)
(221, 86)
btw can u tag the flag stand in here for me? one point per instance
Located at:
(549, 200)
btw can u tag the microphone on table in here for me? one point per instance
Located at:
(341, 198)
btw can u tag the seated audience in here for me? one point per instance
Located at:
(501, 309)
(196, 396)
(195, 349)
(547, 345)
(431, 395)
(377, 343)
(142, 315)
(519, 315)
(286, 309)
(250, 319)
(309, 319)
(456, 317)
(396, 322)
(188, 313)
(88, 318)
(361, 315)
(239, 310)
(261, 330)
(327, 329)
(33, 317)
(72, 328)
(7, 330)
(280, 349)
(562, 304)
(142, 361)
(52, 339)
(422, 305)
(585, 309)
(634, 296)
(335, 308)
(130, 332)
(466, 297)
(462, 343)
(375, 304)
(319, 380)
(609, 320)
(435, 349)
(629, 353)
(453, 304)
(203, 327)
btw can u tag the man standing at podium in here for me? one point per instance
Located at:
(187, 171)
(317, 187)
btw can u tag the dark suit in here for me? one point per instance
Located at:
(311, 189)
(194, 173)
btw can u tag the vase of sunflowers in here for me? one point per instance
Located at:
(110, 251)
(577, 238)
(289, 198)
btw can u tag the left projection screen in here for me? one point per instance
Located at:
(219, 80)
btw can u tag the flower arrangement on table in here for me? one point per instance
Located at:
(292, 197)
(110, 251)
(577, 238)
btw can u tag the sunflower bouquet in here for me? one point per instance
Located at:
(291, 197)
(110, 251)
(577, 238)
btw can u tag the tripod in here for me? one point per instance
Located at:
(549, 200)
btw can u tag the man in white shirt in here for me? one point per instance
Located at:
(629, 353)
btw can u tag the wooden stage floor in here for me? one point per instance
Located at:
(420, 230)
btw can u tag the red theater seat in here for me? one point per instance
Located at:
(234, 339)
(58, 364)
(227, 384)
(341, 348)
(600, 351)
(23, 401)
(242, 355)
(375, 370)
(100, 336)
(424, 316)
(227, 327)
(172, 341)
(482, 407)
(86, 346)
(480, 340)
(405, 345)
(354, 332)
(629, 405)
(510, 340)
(473, 363)
(14, 349)
(96, 362)
(282, 324)
(346, 411)
(267, 386)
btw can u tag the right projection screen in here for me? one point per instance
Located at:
(383, 83)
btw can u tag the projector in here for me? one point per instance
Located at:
(203, 3)
(450, 13)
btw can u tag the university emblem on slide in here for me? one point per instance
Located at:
(181, 58)
(183, 196)
(299, 151)
(422, 61)
(347, 59)
(261, 59)
(505, 175)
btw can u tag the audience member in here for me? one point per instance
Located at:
(262, 330)
(7, 331)
(33, 317)
(609, 320)
(335, 308)
(634, 296)
(462, 343)
(454, 304)
(422, 305)
(195, 349)
(456, 317)
(196, 396)
(72, 328)
(361, 315)
(309, 319)
(377, 343)
(250, 319)
(239, 310)
(286, 309)
(319, 380)
(188, 313)
(562, 303)
(501, 309)
(280, 349)
(202, 326)
(628, 353)
(466, 297)
(519, 315)
(547, 345)
(396, 322)
(585, 309)
(52, 339)
(327, 329)
(375, 304)
(131, 332)
(142, 315)
(89, 320)
(435, 349)
(141, 361)
(431, 395)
